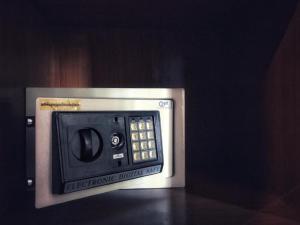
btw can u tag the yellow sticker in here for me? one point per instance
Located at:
(59, 104)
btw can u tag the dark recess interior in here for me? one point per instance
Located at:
(239, 62)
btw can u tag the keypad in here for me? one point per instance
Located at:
(142, 136)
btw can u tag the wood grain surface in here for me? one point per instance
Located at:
(239, 62)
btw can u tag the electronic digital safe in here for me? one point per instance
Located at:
(87, 141)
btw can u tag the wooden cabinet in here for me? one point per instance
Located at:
(237, 60)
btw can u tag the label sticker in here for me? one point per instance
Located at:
(59, 104)
(118, 156)
(165, 104)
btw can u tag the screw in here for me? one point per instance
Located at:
(29, 182)
(29, 121)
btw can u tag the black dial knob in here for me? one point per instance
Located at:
(87, 144)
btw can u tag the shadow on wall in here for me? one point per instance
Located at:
(226, 130)
(12, 151)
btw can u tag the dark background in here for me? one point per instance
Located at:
(238, 60)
